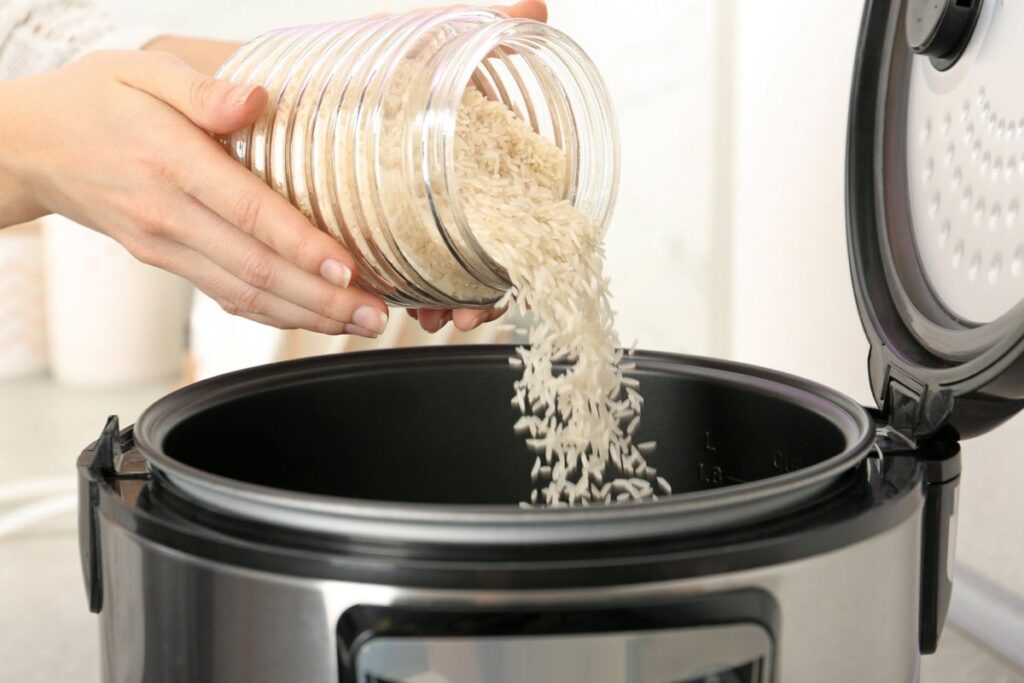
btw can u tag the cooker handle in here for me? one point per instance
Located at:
(938, 539)
(96, 464)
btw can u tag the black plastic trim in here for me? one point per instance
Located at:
(872, 499)
(95, 465)
(362, 623)
(702, 510)
(941, 460)
(100, 465)
(941, 29)
(936, 561)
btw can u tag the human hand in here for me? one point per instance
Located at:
(118, 141)
(203, 54)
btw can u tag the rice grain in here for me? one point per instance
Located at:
(572, 394)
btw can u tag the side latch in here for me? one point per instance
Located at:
(941, 459)
(917, 418)
(100, 463)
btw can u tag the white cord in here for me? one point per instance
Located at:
(32, 488)
(40, 510)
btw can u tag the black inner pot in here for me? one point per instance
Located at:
(436, 426)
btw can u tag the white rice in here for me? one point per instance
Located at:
(511, 186)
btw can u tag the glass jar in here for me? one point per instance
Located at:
(359, 136)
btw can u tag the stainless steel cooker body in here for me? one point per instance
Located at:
(354, 518)
(849, 615)
(809, 534)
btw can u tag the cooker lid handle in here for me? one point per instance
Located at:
(941, 29)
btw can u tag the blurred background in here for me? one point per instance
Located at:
(728, 240)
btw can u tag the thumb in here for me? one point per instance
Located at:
(217, 106)
(527, 9)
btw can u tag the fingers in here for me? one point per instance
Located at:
(433, 319)
(214, 105)
(240, 224)
(243, 200)
(530, 9)
(239, 298)
(467, 319)
(269, 274)
(301, 321)
(284, 325)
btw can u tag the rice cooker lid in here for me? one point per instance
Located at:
(935, 187)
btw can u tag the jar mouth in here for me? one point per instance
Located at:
(549, 81)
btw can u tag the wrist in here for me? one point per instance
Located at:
(18, 203)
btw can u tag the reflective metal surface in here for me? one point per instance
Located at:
(846, 616)
(735, 653)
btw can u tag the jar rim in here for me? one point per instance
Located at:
(582, 94)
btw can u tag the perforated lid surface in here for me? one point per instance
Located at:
(965, 161)
(935, 188)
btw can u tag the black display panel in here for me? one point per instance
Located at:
(719, 638)
(715, 654)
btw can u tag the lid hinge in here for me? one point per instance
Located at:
(911, 407)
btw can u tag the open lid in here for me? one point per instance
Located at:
(935, 186)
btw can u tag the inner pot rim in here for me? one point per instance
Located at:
(500, 524)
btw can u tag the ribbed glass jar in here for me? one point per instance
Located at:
(359, 136)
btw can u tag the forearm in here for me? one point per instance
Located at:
(17, 203)
(201, 54)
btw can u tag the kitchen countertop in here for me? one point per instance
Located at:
(46, 632)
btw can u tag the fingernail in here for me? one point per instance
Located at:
(370, 318)
(240, 94)
(433, 322)
(479, 319)
(359, 331)
(336, 272)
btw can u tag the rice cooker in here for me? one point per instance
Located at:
(354, 518)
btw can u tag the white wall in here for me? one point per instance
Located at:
(792, 301)
(659, 61)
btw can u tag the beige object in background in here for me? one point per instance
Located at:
(113, 321)
(402, 332)
(223, 343)
(22, 302)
